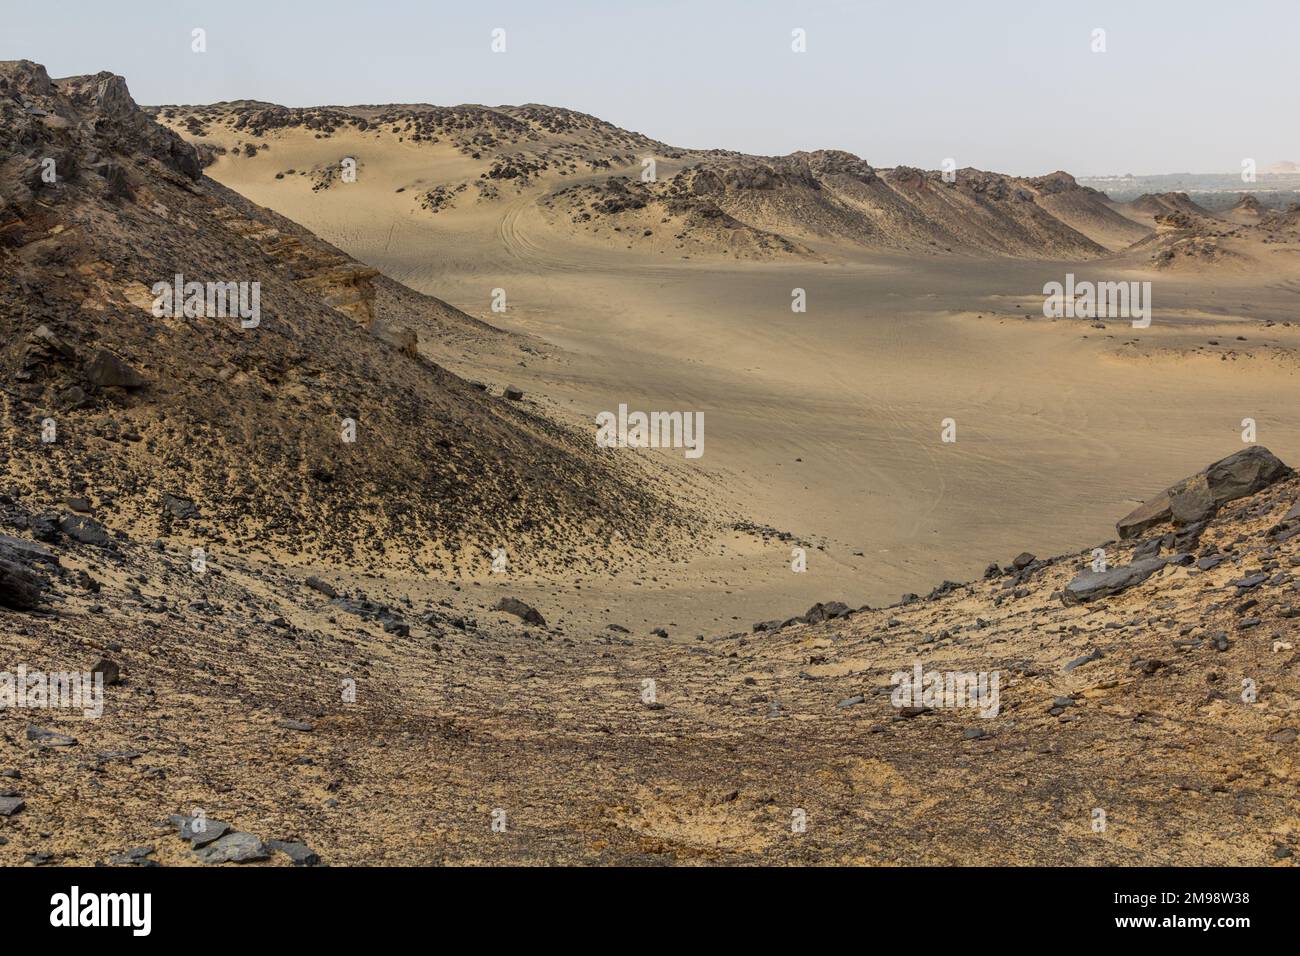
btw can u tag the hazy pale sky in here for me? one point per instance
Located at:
(1008, 85)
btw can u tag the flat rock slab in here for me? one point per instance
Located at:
(234, 847)
(48, 738)
(525, 612)
(27, 550)
(10, 805)
(137, 856)
(324, 587)
(1085, 659)
(199, 833)
(86, 530)
(1250, 581)
(1090, 585)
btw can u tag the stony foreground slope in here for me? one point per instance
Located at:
(234, 437)
(1167, 702)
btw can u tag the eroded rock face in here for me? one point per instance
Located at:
(1198, 497)
(84, 116)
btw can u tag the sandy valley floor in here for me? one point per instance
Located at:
(827, 424)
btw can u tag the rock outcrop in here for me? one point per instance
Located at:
(1196, 498)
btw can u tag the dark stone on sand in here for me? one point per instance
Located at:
(1085, 659)
(85, 529)
(48, 738)
(525, 612)
(299, 853)
(324, 587)
(234, 847)
(1089, 585)
(181, 508)
(108, 371)
(109, 668)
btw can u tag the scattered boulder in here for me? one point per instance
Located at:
(1198, 497)
(200, 831)
(825, 611)
(111, 671)
(1089, 585)
(397, 626)
(236, 847)
(85, 529)
(514, 394)
(181, 508)
(10, 805)
(1023, 560)
(525, 612)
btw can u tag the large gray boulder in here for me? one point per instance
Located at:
(1198, 497)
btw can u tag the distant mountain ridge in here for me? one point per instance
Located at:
(707, 200)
